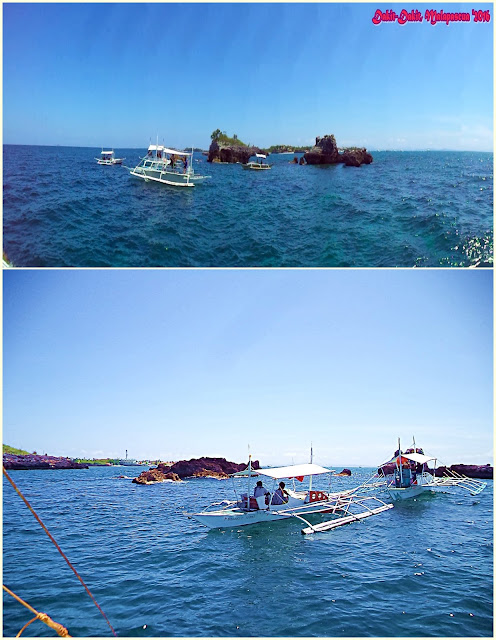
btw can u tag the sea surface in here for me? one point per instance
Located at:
(406, 209)
(424, 568)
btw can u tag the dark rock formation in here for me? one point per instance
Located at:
(35, 461)
(344, 472)
(194, 468)
(231, 153)
(326, 151)
(355, 157)
(156, 475)
(469, 470)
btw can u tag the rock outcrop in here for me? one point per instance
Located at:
(355, 157)
(156, 475)
(194, 468)
(36, 461)
(326, 151)
(231, 153)
(470, 470)
(344, 472)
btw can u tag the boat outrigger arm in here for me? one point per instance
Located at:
(349, 506)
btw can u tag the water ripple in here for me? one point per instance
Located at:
(402, 210)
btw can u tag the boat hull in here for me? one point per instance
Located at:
(235, 517)
(255, 166)
(405, 493)
(229, 519)
(165, 177)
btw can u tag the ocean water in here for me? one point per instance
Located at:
(424, 568)
(425, 209)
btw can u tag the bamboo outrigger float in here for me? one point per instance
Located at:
(407, 475)
(347, 506)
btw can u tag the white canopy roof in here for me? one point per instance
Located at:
(260, 155)
(107, 153)
(417, 457)
(176, 153)
(154, 147)
(294, 471)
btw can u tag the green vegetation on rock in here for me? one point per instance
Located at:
(14, 451)
(287, 148)
(223, 139)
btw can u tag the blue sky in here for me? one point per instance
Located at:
(176, 364)
(121, 74)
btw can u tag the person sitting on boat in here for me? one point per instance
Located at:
(260, 490)
(281, 495)
(185, 161)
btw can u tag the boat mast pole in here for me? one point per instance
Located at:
(311, 460)
(249, 476)
(399, 458)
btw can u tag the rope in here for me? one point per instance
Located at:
(58, 549)
(60, 629)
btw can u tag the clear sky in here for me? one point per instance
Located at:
(176, 364)
(122, 74)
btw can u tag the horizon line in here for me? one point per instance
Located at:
(72, 146)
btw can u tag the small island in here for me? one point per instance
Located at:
(20, 460)
(226, 150)
(325, 151)
(195, 468)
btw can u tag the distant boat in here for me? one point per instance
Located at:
(407, 476)
(257, 166)
(167, 166)
(108, 157)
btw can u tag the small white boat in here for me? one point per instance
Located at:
(407, 475)
(108, 157)
(248, 509)
(257, 166)
(167, 166)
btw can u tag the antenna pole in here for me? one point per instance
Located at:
(399, 458)
(311, 460)
(249, 476)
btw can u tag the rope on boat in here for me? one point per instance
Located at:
(58, 549)
(59, 628)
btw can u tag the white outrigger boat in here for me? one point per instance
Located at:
(108, 157)
(167, 166)
(270, 507)
(257, 166)
(407, 475)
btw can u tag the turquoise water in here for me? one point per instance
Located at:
(405, 209)
(421, 569)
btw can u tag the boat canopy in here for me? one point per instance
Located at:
(417, 457)
(176, 153)
(107, 153)
(260, 155)
(154, 147)
(294, 471)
